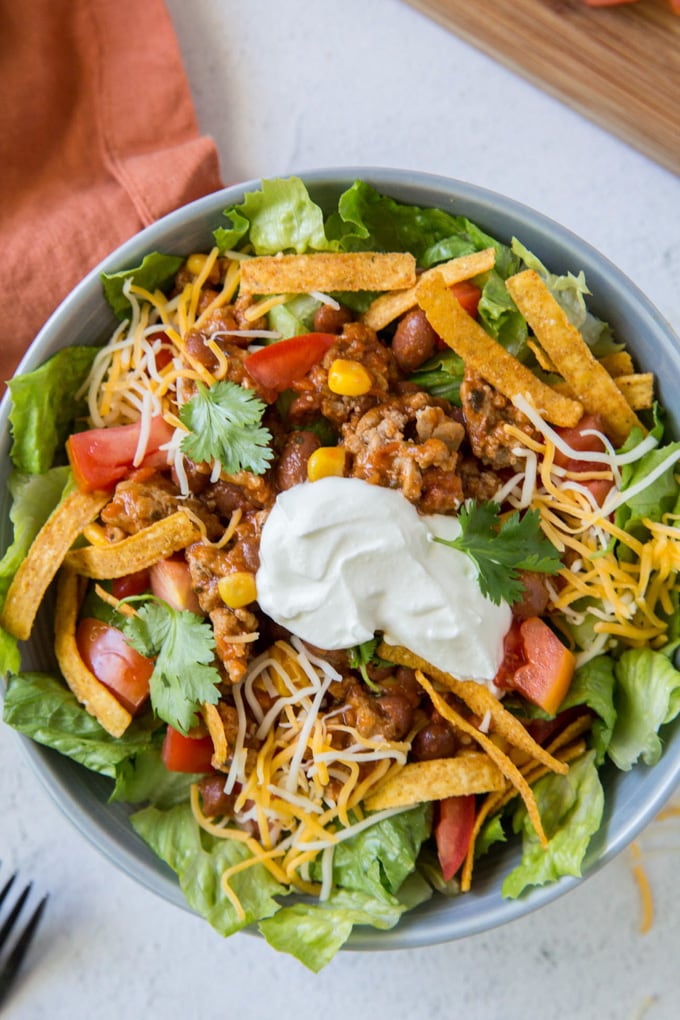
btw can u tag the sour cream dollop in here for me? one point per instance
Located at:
(341, 559)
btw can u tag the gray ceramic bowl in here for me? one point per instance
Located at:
(632, 799)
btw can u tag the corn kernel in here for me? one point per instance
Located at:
(348, 378)
(195, 263)
(326, 462)
(237, 589)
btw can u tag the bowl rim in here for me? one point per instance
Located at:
(439, 927)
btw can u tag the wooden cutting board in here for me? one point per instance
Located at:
(619, 66)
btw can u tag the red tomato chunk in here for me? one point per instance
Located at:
(187, 753)
(119, 667)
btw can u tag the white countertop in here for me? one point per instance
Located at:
(282, 86)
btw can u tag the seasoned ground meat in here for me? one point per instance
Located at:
(486, 413)
(409, 443)
(356, 343)
(388, 715)
(138, 503)
(207, 563)
(228, 624)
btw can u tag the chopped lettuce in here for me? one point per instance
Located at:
(593, 685)
(42, 708)
(34, 497)
(279, 217)
(571, 809)
(200, 861)
(155, 272)
(142, 778)
(45, 404)
(647, 697)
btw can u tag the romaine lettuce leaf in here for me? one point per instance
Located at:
(44, 406)
(143, 778)
(647, 697)
(593, 685)
(155, 272)
(279, 217)
(34, 497)
(42, 708)
(200, 861)
(571, 809)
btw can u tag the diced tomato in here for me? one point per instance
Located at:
(607, 3)
(277, 366)
(171, 581)
(166, 352)
(581, 439)
(544, 730)
(119, 667)
(101, 457)
(131, 584)
(452, 832)
(536, 664)
(468, 294)
(186, 753)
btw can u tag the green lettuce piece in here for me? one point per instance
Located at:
(155, 272)
(658, 498)
(295, 317)
(593, 685)
(42, 708)
(571, 809)
(441, 375)
(499, 315)
(200, 860)
(647, 697)
(314, 932)
(44, 406)
(34, 497)
(143, 778)
(279, 217)
(570, 293)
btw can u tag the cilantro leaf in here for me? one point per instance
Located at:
(183, 645)
(363, 655)
(224, 425)
(500, 550)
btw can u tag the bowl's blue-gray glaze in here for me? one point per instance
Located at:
(632, 799)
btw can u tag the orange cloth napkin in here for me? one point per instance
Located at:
(99, 139)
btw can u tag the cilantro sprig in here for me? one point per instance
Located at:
(364, 655)
(224, 423)
(183, 646)
(501, 549)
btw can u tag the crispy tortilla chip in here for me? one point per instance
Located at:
(44, 558)
(92, 694)
(388, 307)
(479, 700)
(637, 389)
(418, 781)
(137, 552)
(327, 271)
(487, 357)
(590, 382)
(617, 363)
(506, 766)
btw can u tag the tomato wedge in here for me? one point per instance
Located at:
(536, 664)
(468, 294)
(101, 457)
(171, 581)
(581, 440)
(119, 667)
(277, 366)
(131, 584)
(453, 831)
(186, 753)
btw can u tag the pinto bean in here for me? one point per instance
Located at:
(397, 714)
(414, 340)
(292, 465)
(437, 739)
(215, 800)
(328, 319)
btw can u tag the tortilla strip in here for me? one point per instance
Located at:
(388, 307)
(487, 358)
(327, 271)
(418, 781)
(590, 382)
(92, 694)
(617, 363)
(213, 721)
(137, 552)
(44, 558)
(479, 700)
(509, 770)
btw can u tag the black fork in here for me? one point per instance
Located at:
(10, 963)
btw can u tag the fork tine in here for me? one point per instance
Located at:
(11, 966)
(6, 887)
(13, 914)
